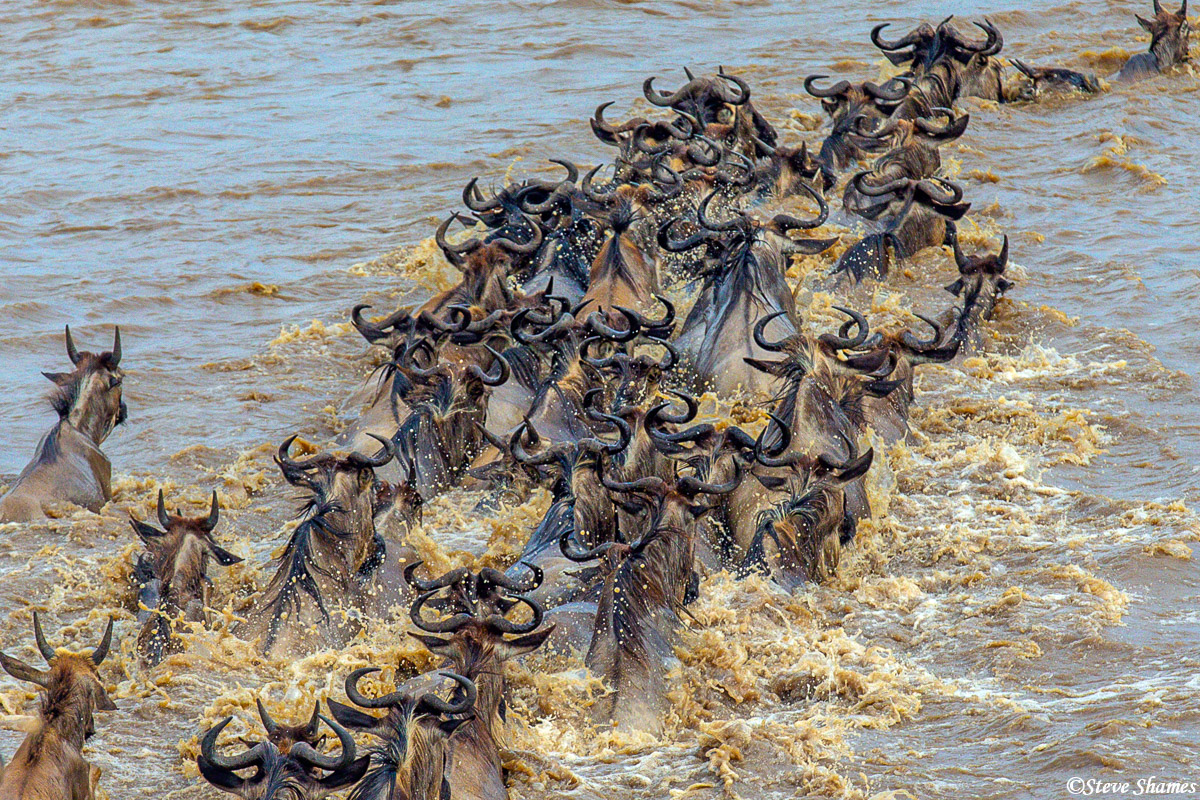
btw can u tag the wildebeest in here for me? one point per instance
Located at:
(49, 764)
(746, 284)
(1169, 34)
(173, 574)
(722, 105)
(981, 284)
(913, 214)
(68, 466)
(648, 578)
(1034, 82)
(846, 104)
(288, 766)
(332, 556)
(476, 643)
(412, 760)
(800, 539)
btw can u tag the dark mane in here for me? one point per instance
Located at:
(296, 566)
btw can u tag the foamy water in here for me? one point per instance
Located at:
(226, 182)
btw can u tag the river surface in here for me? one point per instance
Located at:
(226, 181)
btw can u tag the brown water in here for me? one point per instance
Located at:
(223, 181)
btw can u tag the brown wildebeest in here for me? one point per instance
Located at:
(68, 466)
(648, 578)
(1169, 34)
(49, 763)
(333, 555)
(477, 647)
(413, 759)
(1034, 82)
(722, 105)
(174, 574)
(914, 214)
(288, 766)
(745, 285)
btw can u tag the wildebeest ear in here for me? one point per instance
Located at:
(223, 556)
(352, 718)
(103, 701)
(435, 644)
(1145, 23)
(22, 671)
(449, 726)
(347, 775)
(58, 377)
(956, 287)
(145, 532)
(525, 644)
(769, 367)
(221, 778)
(771, 482)
(1004, 285)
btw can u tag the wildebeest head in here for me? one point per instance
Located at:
(285, 767)
(649, 576)
(89, 397)
(342, 486)
(1169, 34)
(1035, 81)
(721, 104)
(72, 685)
(478, 638)
(980, 285)
(800, 538)
(846, 103)
(178, 557)
(413, 757)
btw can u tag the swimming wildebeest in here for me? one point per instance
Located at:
(68, 466)
(333, 555)
(288, 766)
(1169, 34)
(49, 764)
(413, 759)
(173, 574)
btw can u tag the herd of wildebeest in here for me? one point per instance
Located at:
(558, 361)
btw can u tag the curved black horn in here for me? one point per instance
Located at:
(115, 358)
(657, 98)
(486, 378)
(164, 519)
(839, 88)
(760, 328)
(444, 626)
(306, 754)
(72, 353)
(269, 725)
(39, 636)
(433, 703)
(499, 624)
(252, 757)
(101, 651)
(360, 699)
(214, 515)
(840, 342)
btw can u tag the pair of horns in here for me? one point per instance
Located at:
(76, 356)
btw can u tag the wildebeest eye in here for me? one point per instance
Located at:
(365, 478)
(724, 115)
(115, 381)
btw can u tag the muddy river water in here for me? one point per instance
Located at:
(226, 181)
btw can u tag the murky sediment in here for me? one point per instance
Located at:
(226, 182)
